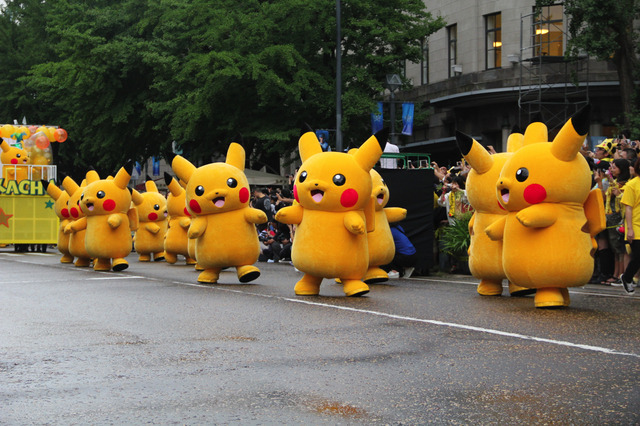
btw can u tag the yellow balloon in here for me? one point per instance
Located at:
(51, 134)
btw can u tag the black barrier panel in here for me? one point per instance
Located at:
(412, 189)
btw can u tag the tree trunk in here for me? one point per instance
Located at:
(626, 62)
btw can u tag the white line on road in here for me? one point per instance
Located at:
(427, 321)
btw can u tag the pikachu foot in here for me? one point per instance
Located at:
(375, 275)
(517, 291)
(158, 257)
(170, 257)
(120, 265)
(191, 261)
(247, 273)
(144, 257)
(209, 276)
(551, 297)
(66, 258)
(308, 286)
(354, 288)
(83, 262)
(102, 265)
(489, 288)
(199, 267)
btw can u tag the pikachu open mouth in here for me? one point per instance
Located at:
(505, 195)
(90, 207)
(317, 195)
(218, 201)
(380, 199)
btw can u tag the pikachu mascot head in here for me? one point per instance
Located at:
(547, 232)
(61, 207)
(334, 210)
(76, 239)
(14, 162)
(380, 240)
(223, 223)
(109, 220)
(152, 222)
(176, 240)
(485, 255)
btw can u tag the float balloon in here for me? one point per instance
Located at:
(60, 135)
(42, 142)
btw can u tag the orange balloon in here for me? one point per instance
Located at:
(42, 142)
(61, 135)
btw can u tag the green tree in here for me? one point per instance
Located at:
(605, 30)
(128, 78)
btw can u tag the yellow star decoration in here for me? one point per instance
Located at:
(4, 218)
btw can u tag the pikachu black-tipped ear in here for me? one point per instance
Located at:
(52, 189)
(382, 136)
(235, 155)
(182, 168)
(308, 144)
(70, 185)
(167, 178)
(475, 154)
(370, 151)
(569, 140)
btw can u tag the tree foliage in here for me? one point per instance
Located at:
(128, 78)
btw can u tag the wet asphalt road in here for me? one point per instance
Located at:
(150, 345)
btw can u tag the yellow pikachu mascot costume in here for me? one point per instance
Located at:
(109, 221)
(223, 223)
(14, 162)
(152, 222)
(176, 240)
(547, 235)
(334, 211)
(61, 208)
(380, 240)
(76, 239)
(485, 255)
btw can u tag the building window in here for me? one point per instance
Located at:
(548, 31)
(424, 62)
(493, 40)
(452, 37)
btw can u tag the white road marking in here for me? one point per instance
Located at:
(427, 321)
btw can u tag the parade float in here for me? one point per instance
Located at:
(27, 214)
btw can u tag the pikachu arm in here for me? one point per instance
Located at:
(291, 215)
(197, 228)
(114, 220)
(252, 215)
(472, 221)
(594, 211)
(354, 223)
(152, 227)
(76, 225)
(134, 222)
(495, 231)
(185, 222)
(63, 224)
(395, 214)
(538, 216)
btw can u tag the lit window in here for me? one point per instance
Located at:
(493, 40)
(548, 31)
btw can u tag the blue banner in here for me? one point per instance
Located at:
(156, 166)
(407, 118)
(376, 120)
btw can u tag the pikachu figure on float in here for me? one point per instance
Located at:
(552, 214)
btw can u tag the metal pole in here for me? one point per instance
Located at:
(338, 79)
(392, 116)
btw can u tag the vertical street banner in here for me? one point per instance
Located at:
(407, 118)
(376, 120)
(156, 166)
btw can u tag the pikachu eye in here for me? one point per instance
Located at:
(156, 207)
(199, 190)
(339, 179)
(232, 183)
(100, 194)
(18, 155)
(303, 177)
(522, 174)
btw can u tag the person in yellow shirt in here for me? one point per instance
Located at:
(631, 202)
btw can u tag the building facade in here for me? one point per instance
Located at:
(497, 65)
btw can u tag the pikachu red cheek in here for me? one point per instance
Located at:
(295, 193)
(109, 205)
(535, 194)
(152, 216)
(349, 198)
(14, 161)
(186, 212)
(244, 195)
(64, 212)
(193, 204)
(74, 212)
